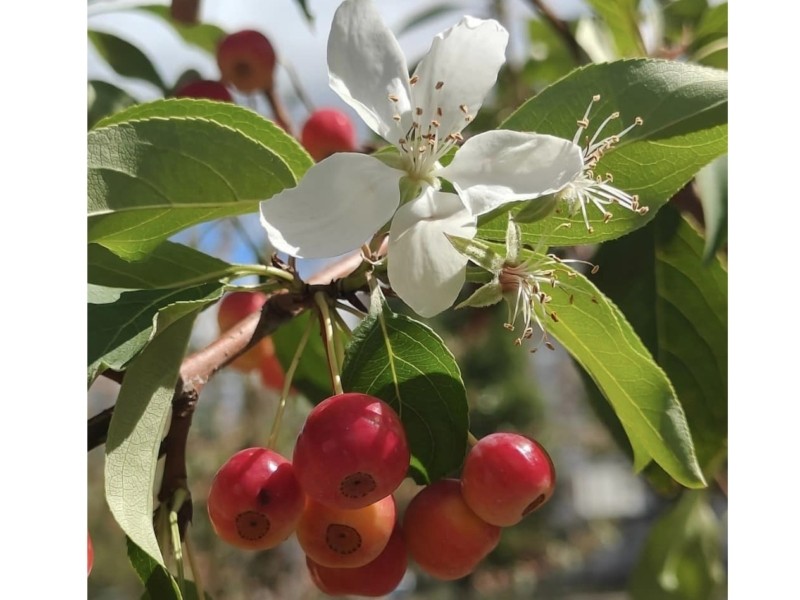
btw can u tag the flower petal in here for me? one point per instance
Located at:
(367, 66)
(502, 166)
(424, 268)
(465, 60)
(335, 208)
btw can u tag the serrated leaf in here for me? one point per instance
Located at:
(125, 58)
(122, 321)
(311, 376)
(597, 335)
(203, 35)
(621, 18)
(136, 430)
(106, 99)
(684, 108)
(158, 168)
(682, 557)
(170, 265)
(405, 363)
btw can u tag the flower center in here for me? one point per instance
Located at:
(424, 142)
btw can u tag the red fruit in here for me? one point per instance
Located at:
(272, 375)
(246, 60)
(445, 538)
(335, 537)
(91, 554)
(351, 452)
(376, 578)
(505, 477)
(255, 501)
(202, 88)
(327, 131)
(233, 308)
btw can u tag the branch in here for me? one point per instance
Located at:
(562, 29)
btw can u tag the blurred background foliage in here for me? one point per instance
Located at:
(607, 534)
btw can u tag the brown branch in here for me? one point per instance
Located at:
(279, 110)
(562, 29)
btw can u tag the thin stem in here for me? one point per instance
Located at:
(278, 110)
(298, 87)
(471, 439)
(198, 580)
(177, 549)
(347, 308)
(287, 385)
(327, 331)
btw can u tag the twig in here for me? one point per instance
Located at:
(562, 29)
(279, 111)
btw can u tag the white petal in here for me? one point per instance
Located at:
(367, 66)
(465, 59)
(424, 268)
(335, 208)
(502, 166)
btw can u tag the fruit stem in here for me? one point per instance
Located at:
(177, 548)
(198, 582)
(278, 110)
(327, 333)
(471, 439)
(287, 385)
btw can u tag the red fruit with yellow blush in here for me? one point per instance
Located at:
(233, 308)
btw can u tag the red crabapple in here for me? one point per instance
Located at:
(91, 554)
(246, 60)
(376, 578)
(255, 501)
(505, 477)
(327, 131)
(351, 452)
(336, 537)
(202, 88)
(233, 308)
(445, 538)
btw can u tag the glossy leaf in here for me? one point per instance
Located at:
(203, 35)
(158, 168)
(122, 321)
(406, 364)
(684, 108)
(682, 557)
(136, 430)
(311, 377)
(621, 18)
(597, 335)
(170, 265)
(106, 99)
(125, 58)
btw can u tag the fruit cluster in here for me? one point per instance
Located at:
(337, 495)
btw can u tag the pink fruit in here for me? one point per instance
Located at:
(327, 131)
(233, 308)
(351, 452)
(255, 501)
(505, 477)
(246, 60)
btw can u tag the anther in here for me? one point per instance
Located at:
(414, 79)
(435, 123)
(554, 316)
(393, 98)
(463, 108)
(439, 111)
(439, 85)
(595, 269)
(418, 111)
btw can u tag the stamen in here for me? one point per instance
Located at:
(418, 111)
(463, 108)
(439, 85)
(414, 79)
(393, 98)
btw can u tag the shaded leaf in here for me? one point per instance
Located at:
(170, 265)
(135, 433)
(406, 364)
(684, 108)
(106, 99)
(203, 35)
(311, 377)
(712, 189)
(158, 168)
(622, 19)
(125, 58)
(159, 583)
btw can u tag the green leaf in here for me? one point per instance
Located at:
(551, 58)
(158, 168)
(599, 338)
(122, 322)
(684, 108)
(713, 26)
(203, 35)
(159, 583)
(311, 376)
(679, 309)
(304, 7)
(135, 433)
(403, 362)
(125, 58)
(170, 265)
(682, 557)
(106, 99)
(622, 19)
(712, 188)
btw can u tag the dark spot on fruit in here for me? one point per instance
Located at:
(242, 69)
(534, 505)
(342, 539)
(357, 485)
(252, 525)
(263, 497)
